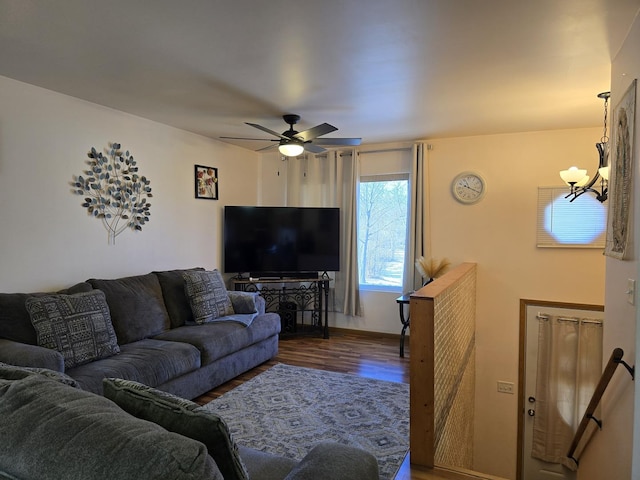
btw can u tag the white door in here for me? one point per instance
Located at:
(532, 468)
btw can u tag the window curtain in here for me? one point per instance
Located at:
(418, 221)
(569, 368)
(331, 180)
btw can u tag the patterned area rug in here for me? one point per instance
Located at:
(287, 410)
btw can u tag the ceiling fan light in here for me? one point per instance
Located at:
(291, 149)
(574, 175)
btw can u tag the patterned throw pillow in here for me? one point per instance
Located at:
(180, 416)
(78, 326)
(207, 295)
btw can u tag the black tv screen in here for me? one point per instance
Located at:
(278, 241)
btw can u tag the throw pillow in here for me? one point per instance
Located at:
(181, 416)
(14, 319)
(207, 295)
(244, 302)
(78, 326)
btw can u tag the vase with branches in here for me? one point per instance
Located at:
(431, 268)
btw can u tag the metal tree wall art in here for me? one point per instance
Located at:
(113, 191)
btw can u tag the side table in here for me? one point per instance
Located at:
(402, 301)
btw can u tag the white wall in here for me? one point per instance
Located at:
(615, 449)
(48, 241)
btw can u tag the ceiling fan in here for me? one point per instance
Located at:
(292, 143)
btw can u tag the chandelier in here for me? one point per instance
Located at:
(577, 178)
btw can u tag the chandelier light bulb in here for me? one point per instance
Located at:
(574, 176)
(604, 172)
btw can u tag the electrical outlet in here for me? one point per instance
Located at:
(505, 387)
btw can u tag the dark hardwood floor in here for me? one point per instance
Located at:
(364, 354)
(360, 353)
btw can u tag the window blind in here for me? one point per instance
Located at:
(564, 224)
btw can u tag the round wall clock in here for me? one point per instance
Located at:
(468, 187)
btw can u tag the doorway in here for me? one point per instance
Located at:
(529, 468)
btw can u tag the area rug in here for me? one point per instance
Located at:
(287, 410)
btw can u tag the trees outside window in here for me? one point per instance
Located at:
(382, 231)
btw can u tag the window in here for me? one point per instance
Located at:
(382, 230)
(561, 223)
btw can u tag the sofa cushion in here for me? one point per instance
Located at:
(52, 431)
(78, 326)
(12, 372)
(15, 323)
(261, 464)
(207, 295)
(175, 298)
(219, 339)
(136, 305)
(335, 461)
(180, 416)
(148, 361)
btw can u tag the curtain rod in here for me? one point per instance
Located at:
(358, 152)
(384, 150)
(546, 316)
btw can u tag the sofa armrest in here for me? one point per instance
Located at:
(334, 461)
(25, 355)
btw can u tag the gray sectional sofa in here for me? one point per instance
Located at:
(53, 430)
(157, 341)
(78, 370)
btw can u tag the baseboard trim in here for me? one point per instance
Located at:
(455, 473)
(363, 333)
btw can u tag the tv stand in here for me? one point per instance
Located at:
(303, 297)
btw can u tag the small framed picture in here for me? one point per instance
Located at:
(206, 181)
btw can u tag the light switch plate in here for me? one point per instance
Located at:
(631, 291)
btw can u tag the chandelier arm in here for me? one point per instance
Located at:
(603, 162)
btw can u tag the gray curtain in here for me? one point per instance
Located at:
(331, 180)
(418, 218)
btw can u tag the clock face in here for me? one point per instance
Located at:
(468, 187)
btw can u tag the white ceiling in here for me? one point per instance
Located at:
(383, 70)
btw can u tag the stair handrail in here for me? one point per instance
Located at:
(607, 374)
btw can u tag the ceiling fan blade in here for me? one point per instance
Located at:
(310, 147)
(245, 138)
(265, 129)
(315, 132)
(338, 141)
(269, 147)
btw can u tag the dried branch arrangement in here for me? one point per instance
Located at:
(432, 268)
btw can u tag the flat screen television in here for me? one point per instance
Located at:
(281, 241)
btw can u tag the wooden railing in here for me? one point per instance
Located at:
(431, 315)
(607, 374)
